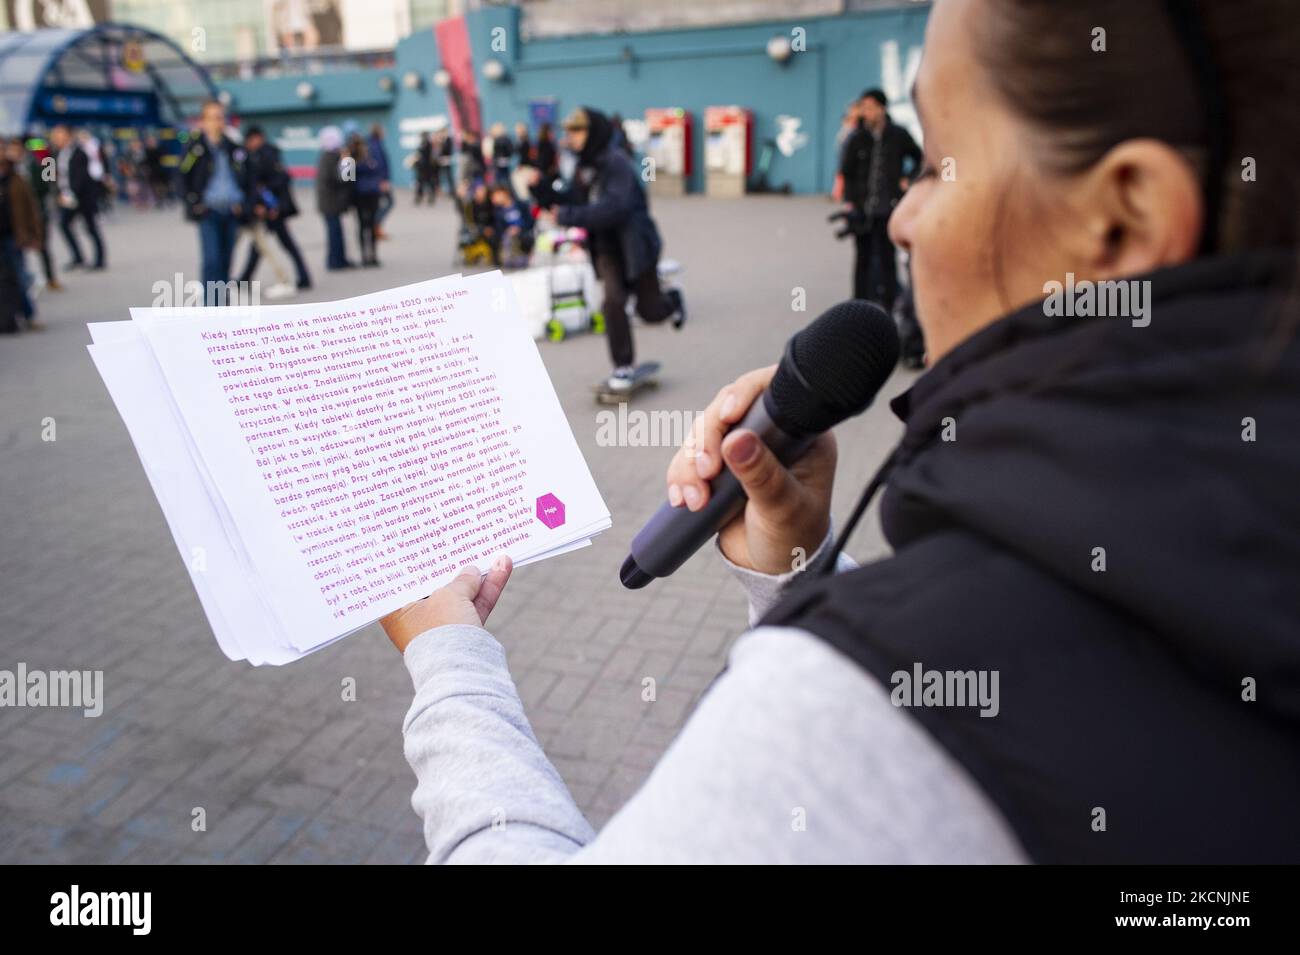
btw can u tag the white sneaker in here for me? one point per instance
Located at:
(622, 379)
(280, 290)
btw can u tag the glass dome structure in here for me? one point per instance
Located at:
(112, 74)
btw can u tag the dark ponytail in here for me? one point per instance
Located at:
(1216, 80)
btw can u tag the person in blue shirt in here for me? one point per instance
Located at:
(513, 232)
(212, 182)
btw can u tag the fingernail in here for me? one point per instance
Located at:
(702, 464)
(674, 495)
(692, 495)
(745, 448)
(500, 563)
(728, 406)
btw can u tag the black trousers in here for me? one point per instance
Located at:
(10, 297)
(47, 263)
(875, 270)
(367, 217)
(280, 229)
(426, 182)
(88, 216)
(650, 304)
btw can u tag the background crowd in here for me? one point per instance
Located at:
(233, 183)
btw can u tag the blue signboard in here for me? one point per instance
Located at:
(101, 106)
(542, 111)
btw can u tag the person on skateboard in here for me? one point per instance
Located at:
(606, 198)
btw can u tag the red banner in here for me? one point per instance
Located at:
(458, 61)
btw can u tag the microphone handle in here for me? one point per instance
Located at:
(673, 534)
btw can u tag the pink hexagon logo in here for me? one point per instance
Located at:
(550, 510)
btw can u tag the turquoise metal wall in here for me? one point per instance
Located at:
(627, 73)
(353, 96)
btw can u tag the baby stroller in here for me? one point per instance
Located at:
(575, 295)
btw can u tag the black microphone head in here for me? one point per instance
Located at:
(833, 368)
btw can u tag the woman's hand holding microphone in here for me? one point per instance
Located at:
(788, 510)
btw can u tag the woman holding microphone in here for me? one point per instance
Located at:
(1092, 510)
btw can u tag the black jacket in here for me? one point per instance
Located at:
(546, 158)
(526, 152)
(265, 170)
(83, 186)
(334, 194)
(901, 157)
(471, 157)
(606, 199)
(196, 170)
(1123, 689)
(503, 150)
(424, 161)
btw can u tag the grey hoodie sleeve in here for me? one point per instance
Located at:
(794, 755)
(764, 590)
(484, 788)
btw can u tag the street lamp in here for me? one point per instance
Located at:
(779, 49)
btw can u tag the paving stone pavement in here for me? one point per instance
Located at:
(284, 769)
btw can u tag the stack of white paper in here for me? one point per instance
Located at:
(322, 465)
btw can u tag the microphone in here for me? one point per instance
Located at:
(831, 370)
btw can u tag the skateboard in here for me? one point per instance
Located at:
(642, 378)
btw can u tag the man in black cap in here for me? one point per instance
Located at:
(606, 198)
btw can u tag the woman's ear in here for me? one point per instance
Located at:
(1143, 209)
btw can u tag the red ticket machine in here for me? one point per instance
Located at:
(667, 165)
(728, 150)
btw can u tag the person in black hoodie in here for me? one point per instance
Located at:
(607, 199)
(1093, 507)
(875, 162)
